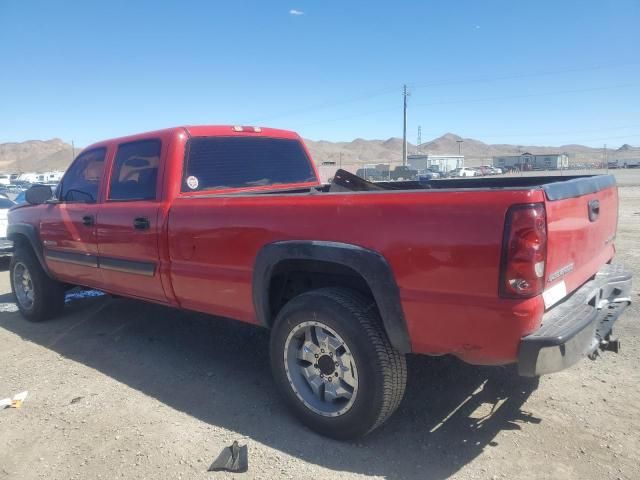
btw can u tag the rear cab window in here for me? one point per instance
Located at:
(135, 171)
(81, 183)
(223, 163)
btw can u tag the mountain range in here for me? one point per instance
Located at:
(361, 151)
(55, 154)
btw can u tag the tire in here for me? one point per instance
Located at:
(47, 298)
(369, 372)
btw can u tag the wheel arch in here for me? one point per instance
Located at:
(28, 235)
(372, 271)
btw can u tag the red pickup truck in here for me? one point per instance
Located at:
(350, 276)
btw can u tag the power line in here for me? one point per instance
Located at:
(527, 95)
(472, 100)
(347, 117)
(599, 139)
(456, 81)
(542, 73)
(634, 135)
(321, 106)
(555, 132)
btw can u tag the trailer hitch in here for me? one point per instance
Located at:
(610, 345)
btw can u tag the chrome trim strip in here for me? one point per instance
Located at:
(84, 259)
(127, 266)
(148, 269)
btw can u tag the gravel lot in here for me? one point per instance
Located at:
(118, 388)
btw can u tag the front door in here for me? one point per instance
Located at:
(68, 228)
(129, 221)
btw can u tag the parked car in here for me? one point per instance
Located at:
(6, 245)
(484, 170)
(403, 172)
(375, 174)
(428, 175)
(348, 277)
(490, 170)
(463, 172)
(20, 198)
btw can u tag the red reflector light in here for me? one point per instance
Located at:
(524, 251)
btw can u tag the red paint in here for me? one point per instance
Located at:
(444, 247)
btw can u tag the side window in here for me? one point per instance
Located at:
(81, 182)
(135, 171)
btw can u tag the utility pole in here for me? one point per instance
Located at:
(405, 94)
(460, 142)
(419, 140)
(73, 151)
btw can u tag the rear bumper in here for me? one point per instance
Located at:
(578, 326)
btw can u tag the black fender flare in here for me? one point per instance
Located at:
(31, 234)
(372, 266)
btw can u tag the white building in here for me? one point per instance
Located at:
(529, 161)
(437, 163)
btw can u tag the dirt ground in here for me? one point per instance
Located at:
(121, 389)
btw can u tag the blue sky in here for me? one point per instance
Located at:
(522, 72)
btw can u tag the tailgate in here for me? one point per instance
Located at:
(582, 217)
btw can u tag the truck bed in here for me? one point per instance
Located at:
(443, 240)
(556, 187)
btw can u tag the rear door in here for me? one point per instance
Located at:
(128, 222)
(68, 229)
(582, 217)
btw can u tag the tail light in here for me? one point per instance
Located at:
(524, 251)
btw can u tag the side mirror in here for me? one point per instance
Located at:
(38, 194)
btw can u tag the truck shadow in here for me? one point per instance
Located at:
(451, 413)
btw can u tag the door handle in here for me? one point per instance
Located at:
(87, 220)
(594, 210)
(141, 223)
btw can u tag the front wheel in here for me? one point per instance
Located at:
(334, 364)
(37, 295)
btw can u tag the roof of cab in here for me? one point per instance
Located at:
(202, 131)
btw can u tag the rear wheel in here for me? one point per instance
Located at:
(37, 295)
(334, 364)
